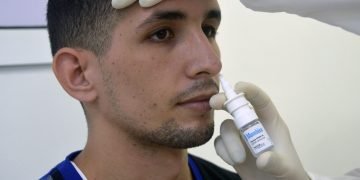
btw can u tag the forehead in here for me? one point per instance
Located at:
(193, 9)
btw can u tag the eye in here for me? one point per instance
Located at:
(162, 35)
(209, 31)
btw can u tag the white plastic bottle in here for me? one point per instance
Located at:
(246, 120)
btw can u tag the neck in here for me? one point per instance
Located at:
(112, 154)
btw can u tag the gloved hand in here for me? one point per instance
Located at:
(342, 13)
(281, 163)
(120, 4)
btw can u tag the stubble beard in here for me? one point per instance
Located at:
(171, 134)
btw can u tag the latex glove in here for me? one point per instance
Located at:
(282, 163)
(342, 13)
(120, 4)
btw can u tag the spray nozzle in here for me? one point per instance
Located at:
(237, 105)
(229, 91)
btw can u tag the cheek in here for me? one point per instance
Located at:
(145, 82)
(140, 84)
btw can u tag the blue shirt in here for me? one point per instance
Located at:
(66, 171)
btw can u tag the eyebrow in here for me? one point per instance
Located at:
(163, 15)
(177, 15)
(214, 14)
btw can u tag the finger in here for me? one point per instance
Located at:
(271, 163)
(120, 4)
(231, 138)
(217, 101)
(261, 102)
(257, 97)
(221, 151)
(148, 3)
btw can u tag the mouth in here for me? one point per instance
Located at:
(198, 102)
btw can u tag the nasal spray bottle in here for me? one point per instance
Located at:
(246, 120)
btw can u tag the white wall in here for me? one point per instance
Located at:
(39, 123)
(310, 70)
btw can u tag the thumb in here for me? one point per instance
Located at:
(228, 144)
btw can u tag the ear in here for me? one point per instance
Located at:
(73, 69)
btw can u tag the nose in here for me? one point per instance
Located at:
(203, 56)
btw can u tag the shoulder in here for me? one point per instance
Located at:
(211, 171)
(64, 170)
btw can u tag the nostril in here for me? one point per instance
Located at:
(203, 74)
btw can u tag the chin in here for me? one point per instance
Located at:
(200, 136)
(183, 134)
(194, 135)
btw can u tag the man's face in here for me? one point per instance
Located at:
(160, 73)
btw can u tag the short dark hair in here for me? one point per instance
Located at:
(86, 24)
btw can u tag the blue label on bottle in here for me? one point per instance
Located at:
(257, 138)
(255, 132)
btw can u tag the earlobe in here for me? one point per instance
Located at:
(71, 68)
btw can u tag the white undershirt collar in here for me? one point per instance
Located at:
(78, 171)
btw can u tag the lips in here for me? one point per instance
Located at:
(198, 103)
